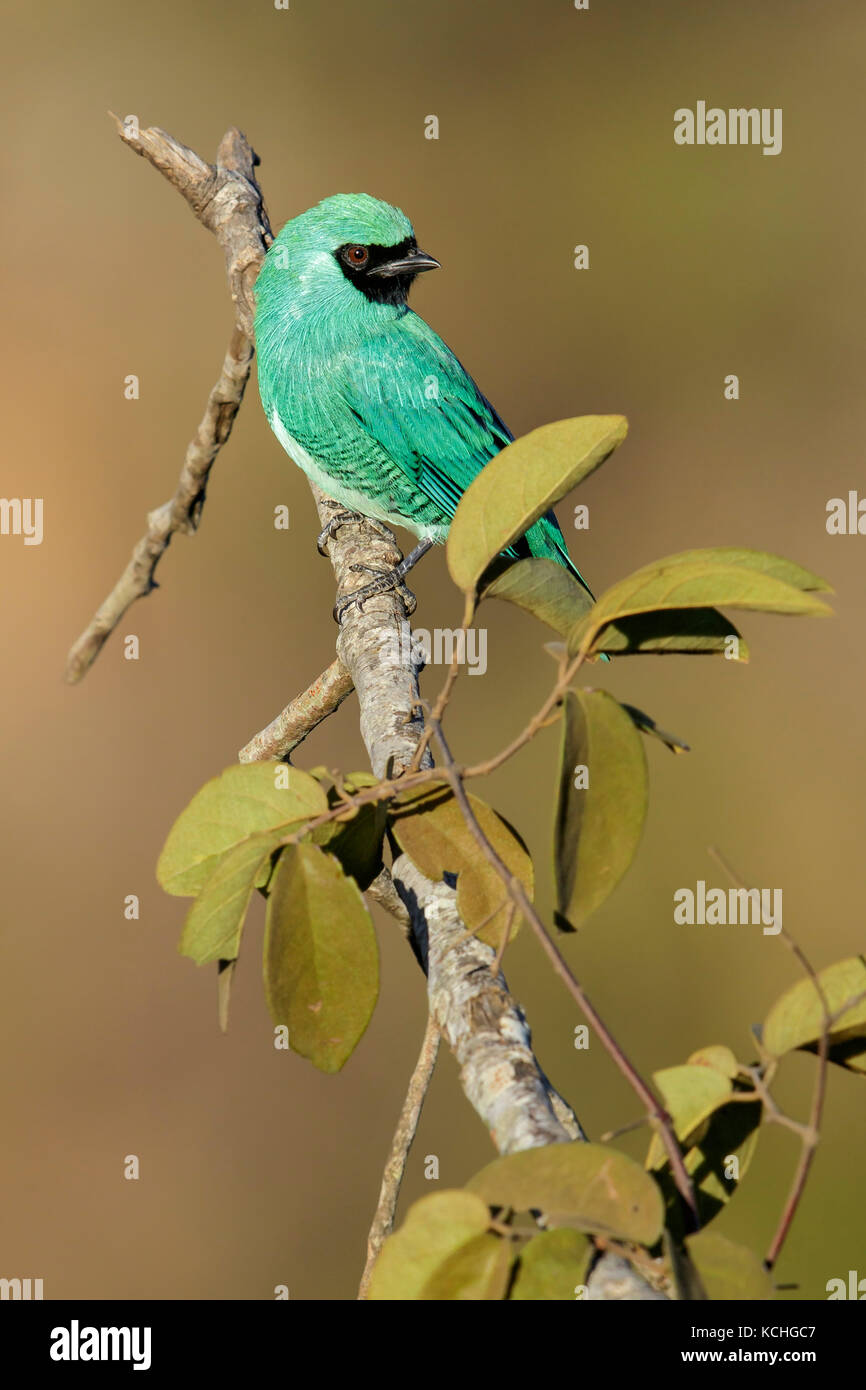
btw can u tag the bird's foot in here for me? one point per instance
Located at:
(386, 581)
(345, 518)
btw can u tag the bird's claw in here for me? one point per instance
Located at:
(347, 519)
(386, 581)
(331, 526)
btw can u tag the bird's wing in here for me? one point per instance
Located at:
(407, 390)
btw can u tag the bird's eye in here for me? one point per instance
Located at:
(356, 256)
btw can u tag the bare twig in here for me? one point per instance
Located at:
(226, 199)
(811, 1133)
(383, 892)
(298, 719)
(404, 1135)
(762, 1094)
(179, 516)
(809, 1143)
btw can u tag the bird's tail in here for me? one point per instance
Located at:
(545, 541)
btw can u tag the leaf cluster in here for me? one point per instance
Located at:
(530, 1224)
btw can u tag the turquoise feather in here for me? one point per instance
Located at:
(361, 392)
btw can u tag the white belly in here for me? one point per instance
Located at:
(352, 500)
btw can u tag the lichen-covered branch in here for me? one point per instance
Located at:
(178, 516)
(372, 644)
(226, 198)
(484, 1026)
(481, 1022)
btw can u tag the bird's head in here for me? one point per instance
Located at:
(339, 258)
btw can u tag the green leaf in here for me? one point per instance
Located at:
(321, 963)
(649, 726)
(544, 589)
(435, 1227)
(212, 929)
(698, 579)
(728, 1272)
(717, 1056)
(359, 781)
(761, 561)
(590, 1186)
(693, 631)
(714, 1137)
(477, 1271)
(429, 826)
(732, 1133)
(356, 841)
(597, 829)
(241, 802)
(690, 1095)
(797, 1019)
(552, 1266)
(522, 483)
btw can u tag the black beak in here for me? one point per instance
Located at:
(410, 264)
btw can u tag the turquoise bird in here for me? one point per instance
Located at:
(361, 392)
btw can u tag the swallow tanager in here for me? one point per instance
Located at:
(360, 391)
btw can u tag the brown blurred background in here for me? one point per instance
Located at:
(556, 128)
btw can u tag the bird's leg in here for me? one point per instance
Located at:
(385, 581)
(344, 518)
